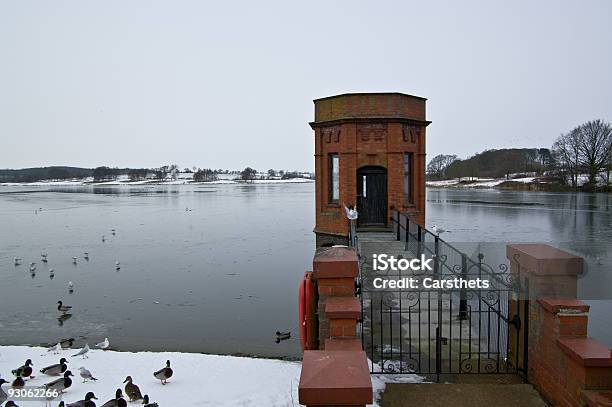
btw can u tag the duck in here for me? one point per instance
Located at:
(86, 374)
(83, 352)
(87, 402)
(74, 260)
(60, 384)
(118, 401)
(18, 383)
(25, 370)
(66, 343)
(56, 369)
(17, 261)
(131, 390)
(63, 308)
(86, 255)
(43, 257)
(3, 395)
(283, 335)
(164, 374)
(145, 401)
(70, 287)
(117, 265)
(10, 403)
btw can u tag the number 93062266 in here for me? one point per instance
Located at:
(32, 394)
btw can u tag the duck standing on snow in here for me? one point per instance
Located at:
(83, 352)
(164, 374)
(87, 402)
(10, 403)
(60, 384)
(118, 401)
(3, 395)
(86, 374)
(63, 308)
(104, 344)
(25, 370)
(131, 390)
(146, 403)
(56, 369)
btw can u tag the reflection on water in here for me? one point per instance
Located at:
(578, 222)
(203, 268)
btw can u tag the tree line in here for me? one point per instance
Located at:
(586, 149)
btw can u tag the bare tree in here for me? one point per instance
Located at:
(439, 164)
(595, 147)
(566, 150)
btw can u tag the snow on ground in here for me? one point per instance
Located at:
(154, 182)
(477, 182)
(198, 380)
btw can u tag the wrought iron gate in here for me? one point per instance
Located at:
(434, 331)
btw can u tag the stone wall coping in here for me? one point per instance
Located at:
(343, 308)
(586, 351)
(560, 305)
(594, 398)
(335, 262)
(543, 259)
(335, 378)
(343, 344)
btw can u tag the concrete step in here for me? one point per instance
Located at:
(460, 395)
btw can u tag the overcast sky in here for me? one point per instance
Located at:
(229, 84)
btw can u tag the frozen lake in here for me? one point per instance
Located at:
(222, 276)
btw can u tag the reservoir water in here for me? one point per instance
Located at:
(215, 268)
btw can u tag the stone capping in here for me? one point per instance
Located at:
(343, 308)
(543, 259)
(335, 262)
(594, 398)
(563, 306)
(586, 351)
(346, 344)
(331, 378)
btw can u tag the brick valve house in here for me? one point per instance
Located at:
(369, 152)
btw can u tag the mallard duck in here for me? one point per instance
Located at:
(18, 383)
(87, 402)
(56, 369)
(164, 374)
(25, 370)
(146, 403)
(10, 403)
(118, 401)
(131, 390)
(66, 343)
(63, 308)
(86, 374)
(3, 395)
(60, 384)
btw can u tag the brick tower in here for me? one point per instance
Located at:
(369, 152)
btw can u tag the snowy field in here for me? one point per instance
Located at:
(477, 182)
(198, 380)
(156, 182)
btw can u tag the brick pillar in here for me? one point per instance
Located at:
(338, 373)
(568, 368)
(335, 269)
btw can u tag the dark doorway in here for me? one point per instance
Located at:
(372, 196)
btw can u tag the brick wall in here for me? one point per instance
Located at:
(368, 130)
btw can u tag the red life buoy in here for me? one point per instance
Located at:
(306, 296)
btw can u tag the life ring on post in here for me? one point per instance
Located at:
(307, 296)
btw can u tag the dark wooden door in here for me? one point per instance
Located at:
(372, 196)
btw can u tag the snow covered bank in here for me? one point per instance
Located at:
(478, 182)
(155, 182)
(198, 380)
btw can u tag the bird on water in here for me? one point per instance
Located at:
(63, 308)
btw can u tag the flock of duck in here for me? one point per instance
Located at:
(60, 385)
